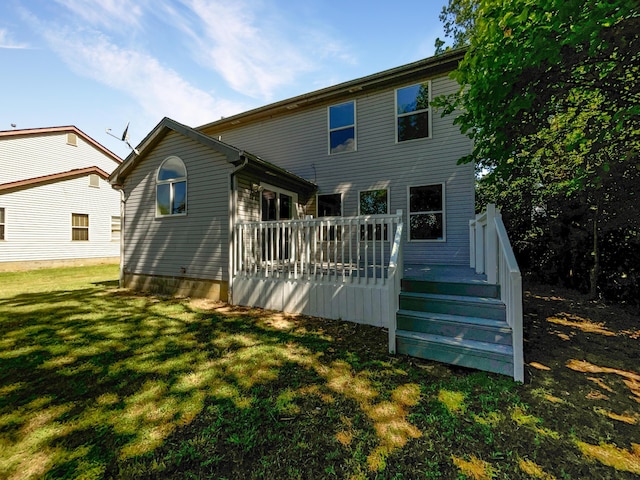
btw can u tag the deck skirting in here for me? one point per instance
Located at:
(366, 303)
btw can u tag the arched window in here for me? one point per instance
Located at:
(171, 188)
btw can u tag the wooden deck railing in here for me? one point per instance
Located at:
(345, 268)
(491, 254)
(343, 249)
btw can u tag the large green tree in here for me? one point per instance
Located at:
(551, 98)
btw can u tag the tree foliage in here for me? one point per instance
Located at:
(551, 98)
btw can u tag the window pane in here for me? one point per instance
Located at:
(330, 205)
(343, 140)
(426, 226)
(286, 207)
(163, 199)
(413, 126)
(413, 98)
(179, 197)
(1, 232)
(1, 215)
(172, 168)
(373, 202)
(341, 115)
(268, 205)
(426, 198)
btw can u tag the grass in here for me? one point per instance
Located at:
(96, 382)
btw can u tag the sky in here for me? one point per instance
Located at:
(102, 64)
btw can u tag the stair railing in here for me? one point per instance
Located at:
(491, 254)
(396, 267)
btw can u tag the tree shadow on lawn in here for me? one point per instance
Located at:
(583, 358)
(91, 380)
(100, 383)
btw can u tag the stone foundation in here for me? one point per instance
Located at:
(178, 286)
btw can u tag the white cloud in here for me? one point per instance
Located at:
(160, 91)
(7, 42)
(253, 47)
(113, 14)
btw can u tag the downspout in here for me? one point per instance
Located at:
(233, 214)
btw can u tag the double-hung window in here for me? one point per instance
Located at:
(427, 212)
(413, 113)
(330, 205)
(373, 202)
(2, 223)
(171, 188)
(342, 128)
(79, 227)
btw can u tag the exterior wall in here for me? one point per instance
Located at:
(38, 221)
(298, 142)
(163, 253)
(38, 155)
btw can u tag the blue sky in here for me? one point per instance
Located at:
(100, 64)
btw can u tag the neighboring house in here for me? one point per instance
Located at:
(310, 204)
(56, 204)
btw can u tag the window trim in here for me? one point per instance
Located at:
(444, 214)
(172, 182)
(344, 127)
(79, 228)
(429, 111)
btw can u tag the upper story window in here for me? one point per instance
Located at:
(342, 128)
(171, 188)
(413, 113)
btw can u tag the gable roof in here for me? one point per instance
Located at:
(234, 155)
(32, 182)
(68, 129)
(412, 72)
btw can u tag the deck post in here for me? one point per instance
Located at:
(491, 245)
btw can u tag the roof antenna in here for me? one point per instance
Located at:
(125, 138)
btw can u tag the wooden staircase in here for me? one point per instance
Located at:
(456, 322)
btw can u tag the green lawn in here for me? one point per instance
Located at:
(96, 382)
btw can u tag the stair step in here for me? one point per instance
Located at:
(471, 306)
(467, 327)
(456, 351)
(475, 289)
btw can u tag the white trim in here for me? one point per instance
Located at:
(444, 214)
(353, 125)
(428, 110)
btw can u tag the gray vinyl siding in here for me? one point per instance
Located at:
(38, 221)
(298, 142)
(195, 245)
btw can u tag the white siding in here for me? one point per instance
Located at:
(195, 245)
(38, 221)
(298, 143)
(45, 154)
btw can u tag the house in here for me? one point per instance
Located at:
(56, 204)
(329, 204)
